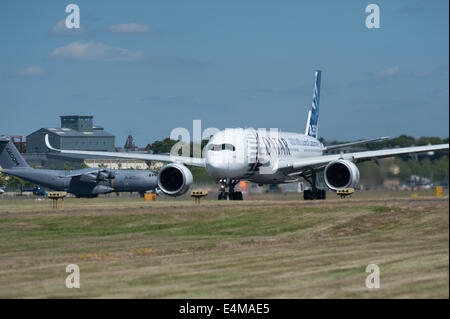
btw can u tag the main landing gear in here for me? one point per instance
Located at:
(310, 194)
(227, 190)
(314, 192)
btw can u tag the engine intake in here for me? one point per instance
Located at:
(174, 179)
(341, 174)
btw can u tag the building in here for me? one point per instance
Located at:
(130, 146)
(121, 163)
(79, 133)
(76, 133)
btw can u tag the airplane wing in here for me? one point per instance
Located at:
(190, 161)
(84, 171)
(338, 146)
(79, 172)
(318, 162)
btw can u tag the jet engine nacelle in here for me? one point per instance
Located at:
(175, 179)
(341, 174)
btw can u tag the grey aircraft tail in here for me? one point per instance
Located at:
(10, 157)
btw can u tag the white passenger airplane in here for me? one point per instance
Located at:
(264, 157)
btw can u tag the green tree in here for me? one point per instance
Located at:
(3, 181)
(17, 183)
(371, 172)
(428, 140)
(426, 168)
(440, 169)
(67, 166)
(405, 171)
(414, 166)
(163, 146)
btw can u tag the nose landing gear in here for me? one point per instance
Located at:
(229, 194)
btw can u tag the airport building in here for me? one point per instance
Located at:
(76, 132)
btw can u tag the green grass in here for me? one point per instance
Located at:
(251, 249)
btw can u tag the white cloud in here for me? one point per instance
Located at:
(60, 26)
(130, 28)
(390, 71)
(61, 29)
(30, 71)
(95, 51)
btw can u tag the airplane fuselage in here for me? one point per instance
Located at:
(255, 155)
(88, 185)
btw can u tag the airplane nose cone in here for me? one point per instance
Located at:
(225, 156)
(216, 166)
(223, 165)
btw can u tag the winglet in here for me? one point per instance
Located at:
(47, 143)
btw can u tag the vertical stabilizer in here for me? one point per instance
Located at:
(9, 155)
(312, 124)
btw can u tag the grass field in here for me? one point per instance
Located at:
(270, 246)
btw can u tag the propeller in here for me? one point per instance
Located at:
(105, 174)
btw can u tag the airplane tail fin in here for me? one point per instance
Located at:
(312, 125)
(9, 155)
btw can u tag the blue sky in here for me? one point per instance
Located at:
(151, 66)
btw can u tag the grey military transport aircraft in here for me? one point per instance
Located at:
(87, 182)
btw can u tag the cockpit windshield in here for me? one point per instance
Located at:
(221, 147)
